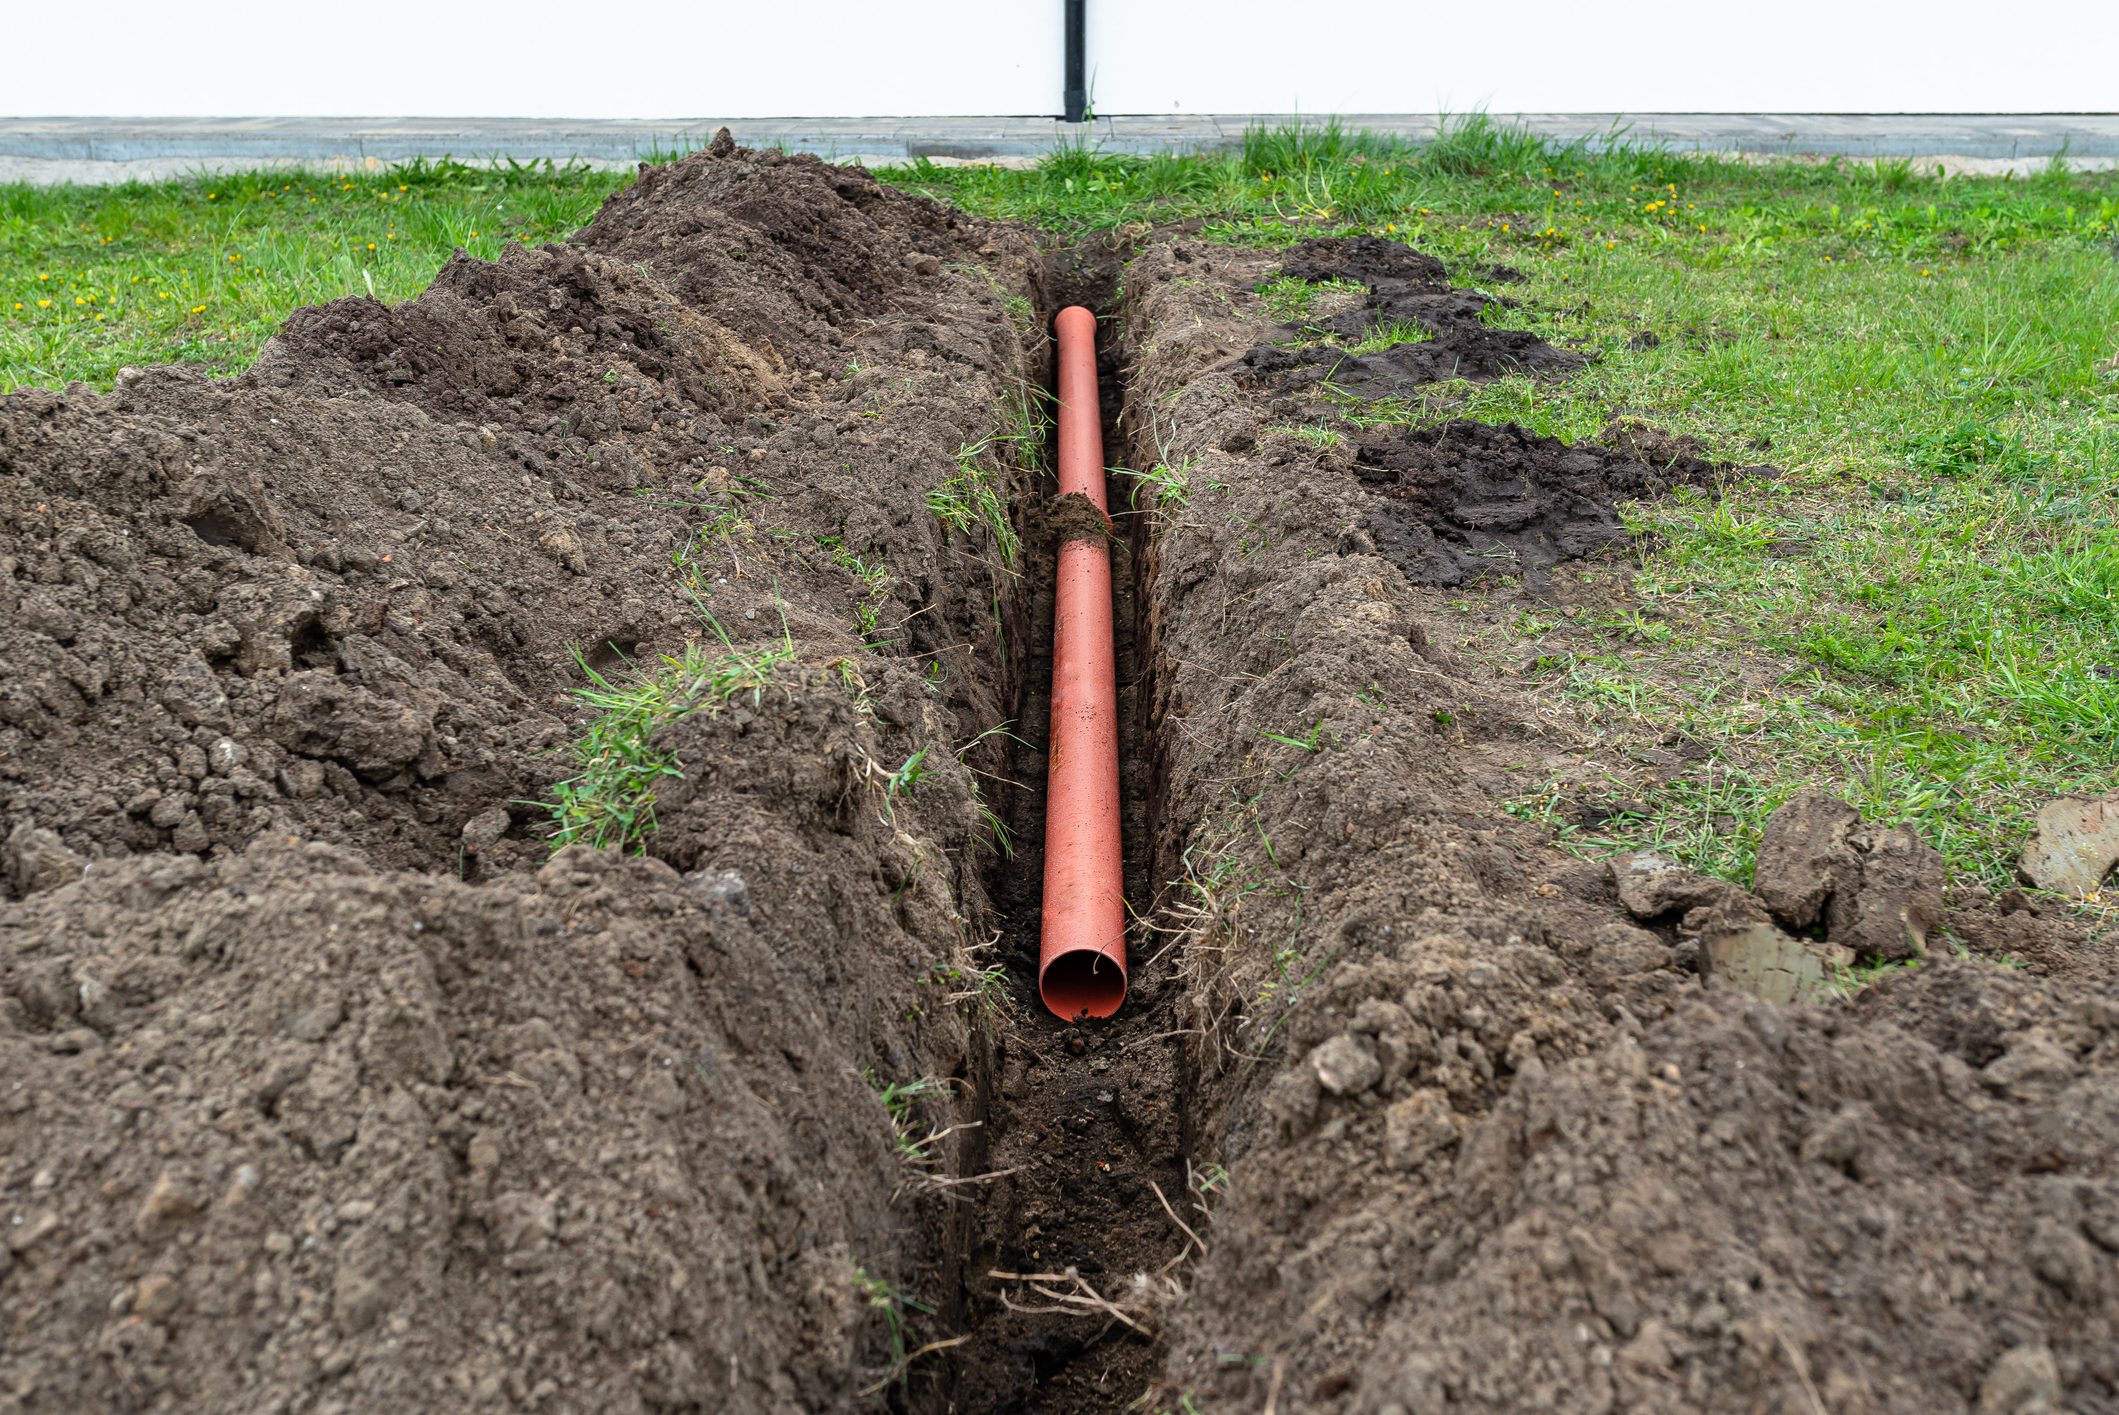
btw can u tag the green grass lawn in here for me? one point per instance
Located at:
(95, 278)
(1921, 613)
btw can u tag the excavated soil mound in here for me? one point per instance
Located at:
(1480, 1137)
(313, 1095)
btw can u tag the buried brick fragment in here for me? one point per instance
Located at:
(1759, 959)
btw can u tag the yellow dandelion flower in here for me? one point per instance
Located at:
(1611, 245)
(1387, 229)
(371, 245)
(475, 233)
(198, 309)
(99, 319)
(44, 304)
(42, 276)
(1505, 226)
(1423, 211)
(213, 196)
(1703, 230)
(402, 187)
(161, 294)
(79, 301)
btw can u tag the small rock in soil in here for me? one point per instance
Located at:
(37, 859)
(165, 1209)
(485, 829)
(2024, 1379)
(1654, 886)
(1346, 1065)
(2075, 844)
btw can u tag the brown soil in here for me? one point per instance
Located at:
(1490, 1142)
(323, 1087)
(294, 1117)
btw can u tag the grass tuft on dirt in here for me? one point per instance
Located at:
(610, 802)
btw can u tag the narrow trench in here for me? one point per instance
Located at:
(1085, 1122)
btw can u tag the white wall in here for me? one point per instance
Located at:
(666, 59)
(1602, 56)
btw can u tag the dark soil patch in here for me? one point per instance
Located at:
(1462, 500)
(1403, 287)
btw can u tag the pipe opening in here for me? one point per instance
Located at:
(1082, 983)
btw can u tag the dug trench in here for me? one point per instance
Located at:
(327, 1084)
(1074, 1241)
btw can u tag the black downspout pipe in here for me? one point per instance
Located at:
(1077, 91)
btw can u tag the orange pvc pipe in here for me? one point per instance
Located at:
(1081, 960)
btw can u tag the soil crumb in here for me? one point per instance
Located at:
(1075, 517)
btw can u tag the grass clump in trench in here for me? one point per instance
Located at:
(973, 498)
(610, 802)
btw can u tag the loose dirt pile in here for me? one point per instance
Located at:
(1464, 500)
(297, 1119)
(1483, 1138)
(1404, 295)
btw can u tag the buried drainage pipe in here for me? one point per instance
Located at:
(1081, 958)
